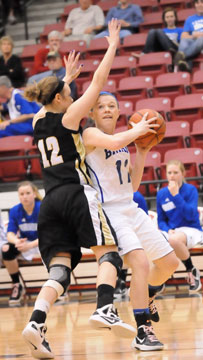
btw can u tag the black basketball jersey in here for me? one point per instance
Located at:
(62, 152)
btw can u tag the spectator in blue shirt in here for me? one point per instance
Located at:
(191, 43)
(129, 15)
(20, 111)
(178, 218)
(166, 39)
(22, 235)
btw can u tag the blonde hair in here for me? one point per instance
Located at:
(7, 38)
(179, 164)
(33, 186)
(41, 91)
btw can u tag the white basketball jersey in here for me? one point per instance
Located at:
(109, 171)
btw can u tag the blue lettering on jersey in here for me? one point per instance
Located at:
(109, 153)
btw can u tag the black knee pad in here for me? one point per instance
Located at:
(11, 253)
(114, 258)
(61, 274)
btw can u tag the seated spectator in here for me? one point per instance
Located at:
(56, 68)
(165, 39)
(83, 22)
(20, 111)
(129, 15)
(40, 59)
(22, 235)
(178, 218)
(191, 43)
(10, 64)
(3, 239)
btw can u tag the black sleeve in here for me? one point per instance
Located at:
(16, 72)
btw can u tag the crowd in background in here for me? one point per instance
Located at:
(87, 22)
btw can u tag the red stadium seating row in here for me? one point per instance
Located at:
(155, 168)
(147, 6)
(169, 85)
(20, 158)
(183, 8)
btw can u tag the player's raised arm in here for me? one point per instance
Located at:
(82, 106)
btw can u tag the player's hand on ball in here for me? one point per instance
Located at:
(145, 125)
(150, 126)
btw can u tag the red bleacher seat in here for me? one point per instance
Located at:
(192, 158)
(188, 107)
(122, 66)
(152, 163)
(29, 52)
(198, 62)
(97, 48)
(126, 110)
(160, 104)
(77, 45)
(172, 85)
(109, 86)
(89, 67)
(183, 15)
(107, 5)
(177, 4)
(151, 21)
(134, 88)
(176, 137)
(154, 64)
(147, 6)
(196, 135)
(197, 82)
(134, 42)
(14, 170)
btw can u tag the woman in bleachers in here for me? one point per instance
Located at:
(10, 64)
(178, 218)
(22, 235)
(166, 39)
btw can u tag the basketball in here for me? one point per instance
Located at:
(149, 139)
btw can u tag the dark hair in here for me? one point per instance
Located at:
(44, 91)
(164, 13)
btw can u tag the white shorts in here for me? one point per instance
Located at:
(194, 236)
(135, 230)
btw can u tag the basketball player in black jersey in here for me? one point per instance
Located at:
(70, 214)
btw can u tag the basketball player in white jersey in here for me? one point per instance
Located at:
(115, 181)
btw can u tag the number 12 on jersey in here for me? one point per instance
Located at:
(51, 144)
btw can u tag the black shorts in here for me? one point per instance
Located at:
(71, 217)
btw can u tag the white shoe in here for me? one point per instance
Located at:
(34, 335)
(107, 317)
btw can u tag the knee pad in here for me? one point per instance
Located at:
(59, 278)
(9, 254)
(114, 258)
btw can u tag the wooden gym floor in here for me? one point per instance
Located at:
(71, 338)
